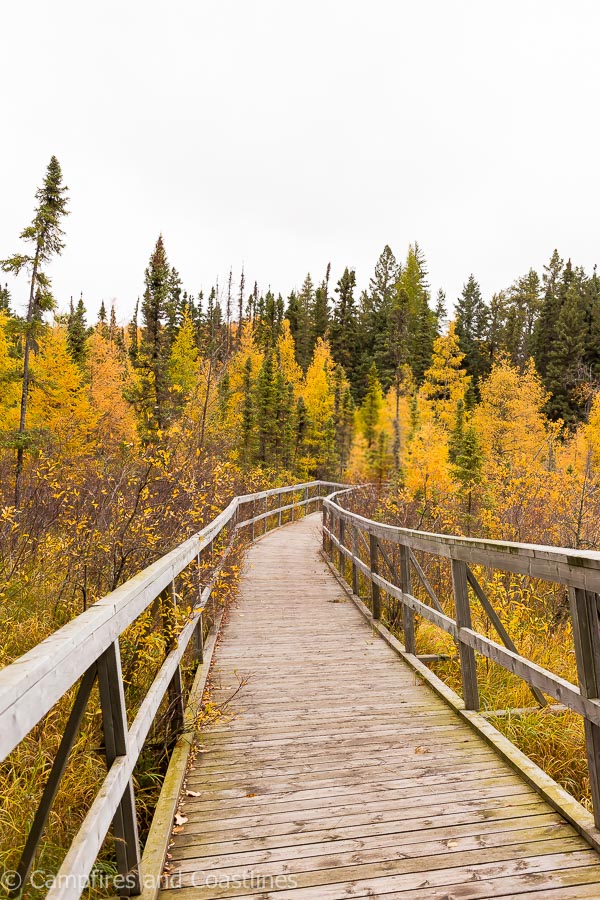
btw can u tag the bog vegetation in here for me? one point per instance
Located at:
(119, 439)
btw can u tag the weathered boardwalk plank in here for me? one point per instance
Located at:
(337, 773)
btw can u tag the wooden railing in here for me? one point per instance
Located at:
(87, 649)
(578, 570)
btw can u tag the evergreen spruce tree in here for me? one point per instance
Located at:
(319, 318)
(565, 368)
(266, 408)
(522, 310)
(303, 325)
(248, 410)
(102, 313)
(153, 354)
(471, 329)
(467, 470)
(132, 333)
(4, 299)
(376, 307)
(545, 328)
(240, 322)
(45, 237)
(440, 312)
(344, 329)
(77, 332)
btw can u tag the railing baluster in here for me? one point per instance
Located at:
(468, 662)
(341, 557)
(199, 640)
(408, 616)
(355, 587)
(114, 719)
(586, 637)
(175, 690)
(279, 508)
(374, 565)
(56, 773)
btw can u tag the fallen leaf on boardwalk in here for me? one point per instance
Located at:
(422, 750)
(180, 820)
(250, 795)
(193, 794)
(178, 829)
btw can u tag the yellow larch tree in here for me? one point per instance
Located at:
(9, 386)
(319, 400)
(286, 351)
(59, 402)
(106, 374)
(446, 381)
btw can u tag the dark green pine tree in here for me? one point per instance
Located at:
(266, 409)
(5, 299)
(301, 419)
(565, 368)
(301, 326)
(343, 414)
(344, 330)
(319, 318)
(376, 313)
(545, 327)
(523, 304)
(132, 334)
(592, 316)
(467, 470)
(248, 439)
(440, 312)
(173, 306)
(153, 353)
(77, 332)
(471, 329)
(284, 432)
(45, 236)
(102, 314)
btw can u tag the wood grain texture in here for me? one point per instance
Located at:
(334, 771)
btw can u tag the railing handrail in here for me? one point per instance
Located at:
(574, 568)
(88, 648)
(578, 570)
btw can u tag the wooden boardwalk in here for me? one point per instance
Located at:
(339, 774)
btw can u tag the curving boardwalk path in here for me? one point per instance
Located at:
(339, 774)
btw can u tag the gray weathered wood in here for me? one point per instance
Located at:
(408, 616)
(586, 637)
(468, 664)
(374, 569)
(497, 623)
(114, 719)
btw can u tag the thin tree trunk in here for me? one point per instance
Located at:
(205, 408)
(25, 386)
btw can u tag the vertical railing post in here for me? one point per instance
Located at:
(175, 690)
(341, 557)
(266, 510)
(279, 508)
(114, 720)
(253, 514)
(374, 565)
(468, 662)
(355, 588)
(586, 637)
(306, 501)
(199, 637)
(325, 520)
(408, 616)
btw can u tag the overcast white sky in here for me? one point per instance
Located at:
(283, 135)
